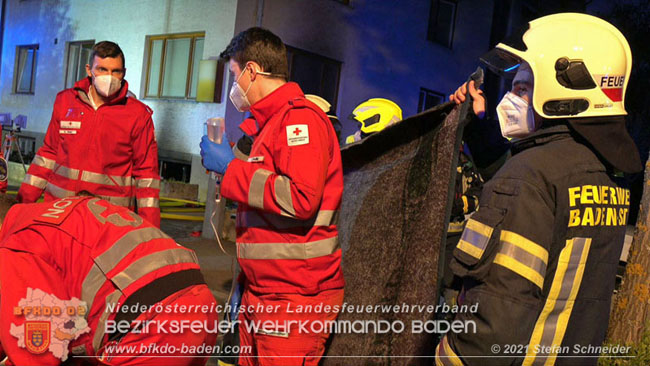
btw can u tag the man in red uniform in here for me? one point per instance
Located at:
(69, 269)
(100, 140)
(289, 191)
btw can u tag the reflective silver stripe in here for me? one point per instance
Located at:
(363, 109)
(128, 242)
(522, 263)
(456, 227)
(283, 196)
(64, 171)
(108, 180)
(552, 323)
(256, 189)
(326, 218)
(523, 257)
(112, 257)
(35, 181)
(261, 219)
(147, 183)
(101, 326)
(57, 191)
(239, 154)
(475, 238)
(119, 201)
(91, 284)
(44, 162)
(136, 271)
(152, 262)
(148, 202)
(313, 249)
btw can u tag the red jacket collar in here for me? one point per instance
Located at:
(84, 85)
(249, 126)
(268, 106)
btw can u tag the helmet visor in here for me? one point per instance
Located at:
(501, 62)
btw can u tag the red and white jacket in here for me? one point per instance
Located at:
(84, 248)
(289, 192)
(110, 152)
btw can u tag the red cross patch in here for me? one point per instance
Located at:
(297, 135)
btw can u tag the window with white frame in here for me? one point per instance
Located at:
(78, 56)
(173, 65)
(25, 69)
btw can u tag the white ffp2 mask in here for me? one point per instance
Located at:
(107, 85)
(516, 117)
(238, 95)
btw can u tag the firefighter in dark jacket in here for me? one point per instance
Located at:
(540, 255)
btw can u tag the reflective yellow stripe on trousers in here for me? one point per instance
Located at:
(552, 323)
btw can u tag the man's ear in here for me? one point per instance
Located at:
(88, 71)
(254, 68)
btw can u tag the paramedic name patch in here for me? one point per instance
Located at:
(50, 323)
(591, 205)
(297, 135)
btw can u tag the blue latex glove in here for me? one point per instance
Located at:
(216, 157)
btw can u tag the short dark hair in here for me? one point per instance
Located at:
(259, 45)
(105, 49)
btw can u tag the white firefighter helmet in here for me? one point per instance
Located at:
(581, 65)
(319, 101)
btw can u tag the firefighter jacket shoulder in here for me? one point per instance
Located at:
(83, 248)
(289, 192)
(540, 255)
(110, 152)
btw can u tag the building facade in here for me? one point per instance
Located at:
(414, 52)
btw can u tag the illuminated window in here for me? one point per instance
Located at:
(77, 58)
(173, 65)
(25, 69)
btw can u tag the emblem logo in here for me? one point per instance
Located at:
(4, 170)
(37, 338)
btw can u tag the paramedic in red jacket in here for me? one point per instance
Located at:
(289, 191)
(100, 140)
(66, 263)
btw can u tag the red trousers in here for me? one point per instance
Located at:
(155, 347)
(286, 329)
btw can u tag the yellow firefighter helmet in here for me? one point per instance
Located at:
(376, 114)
